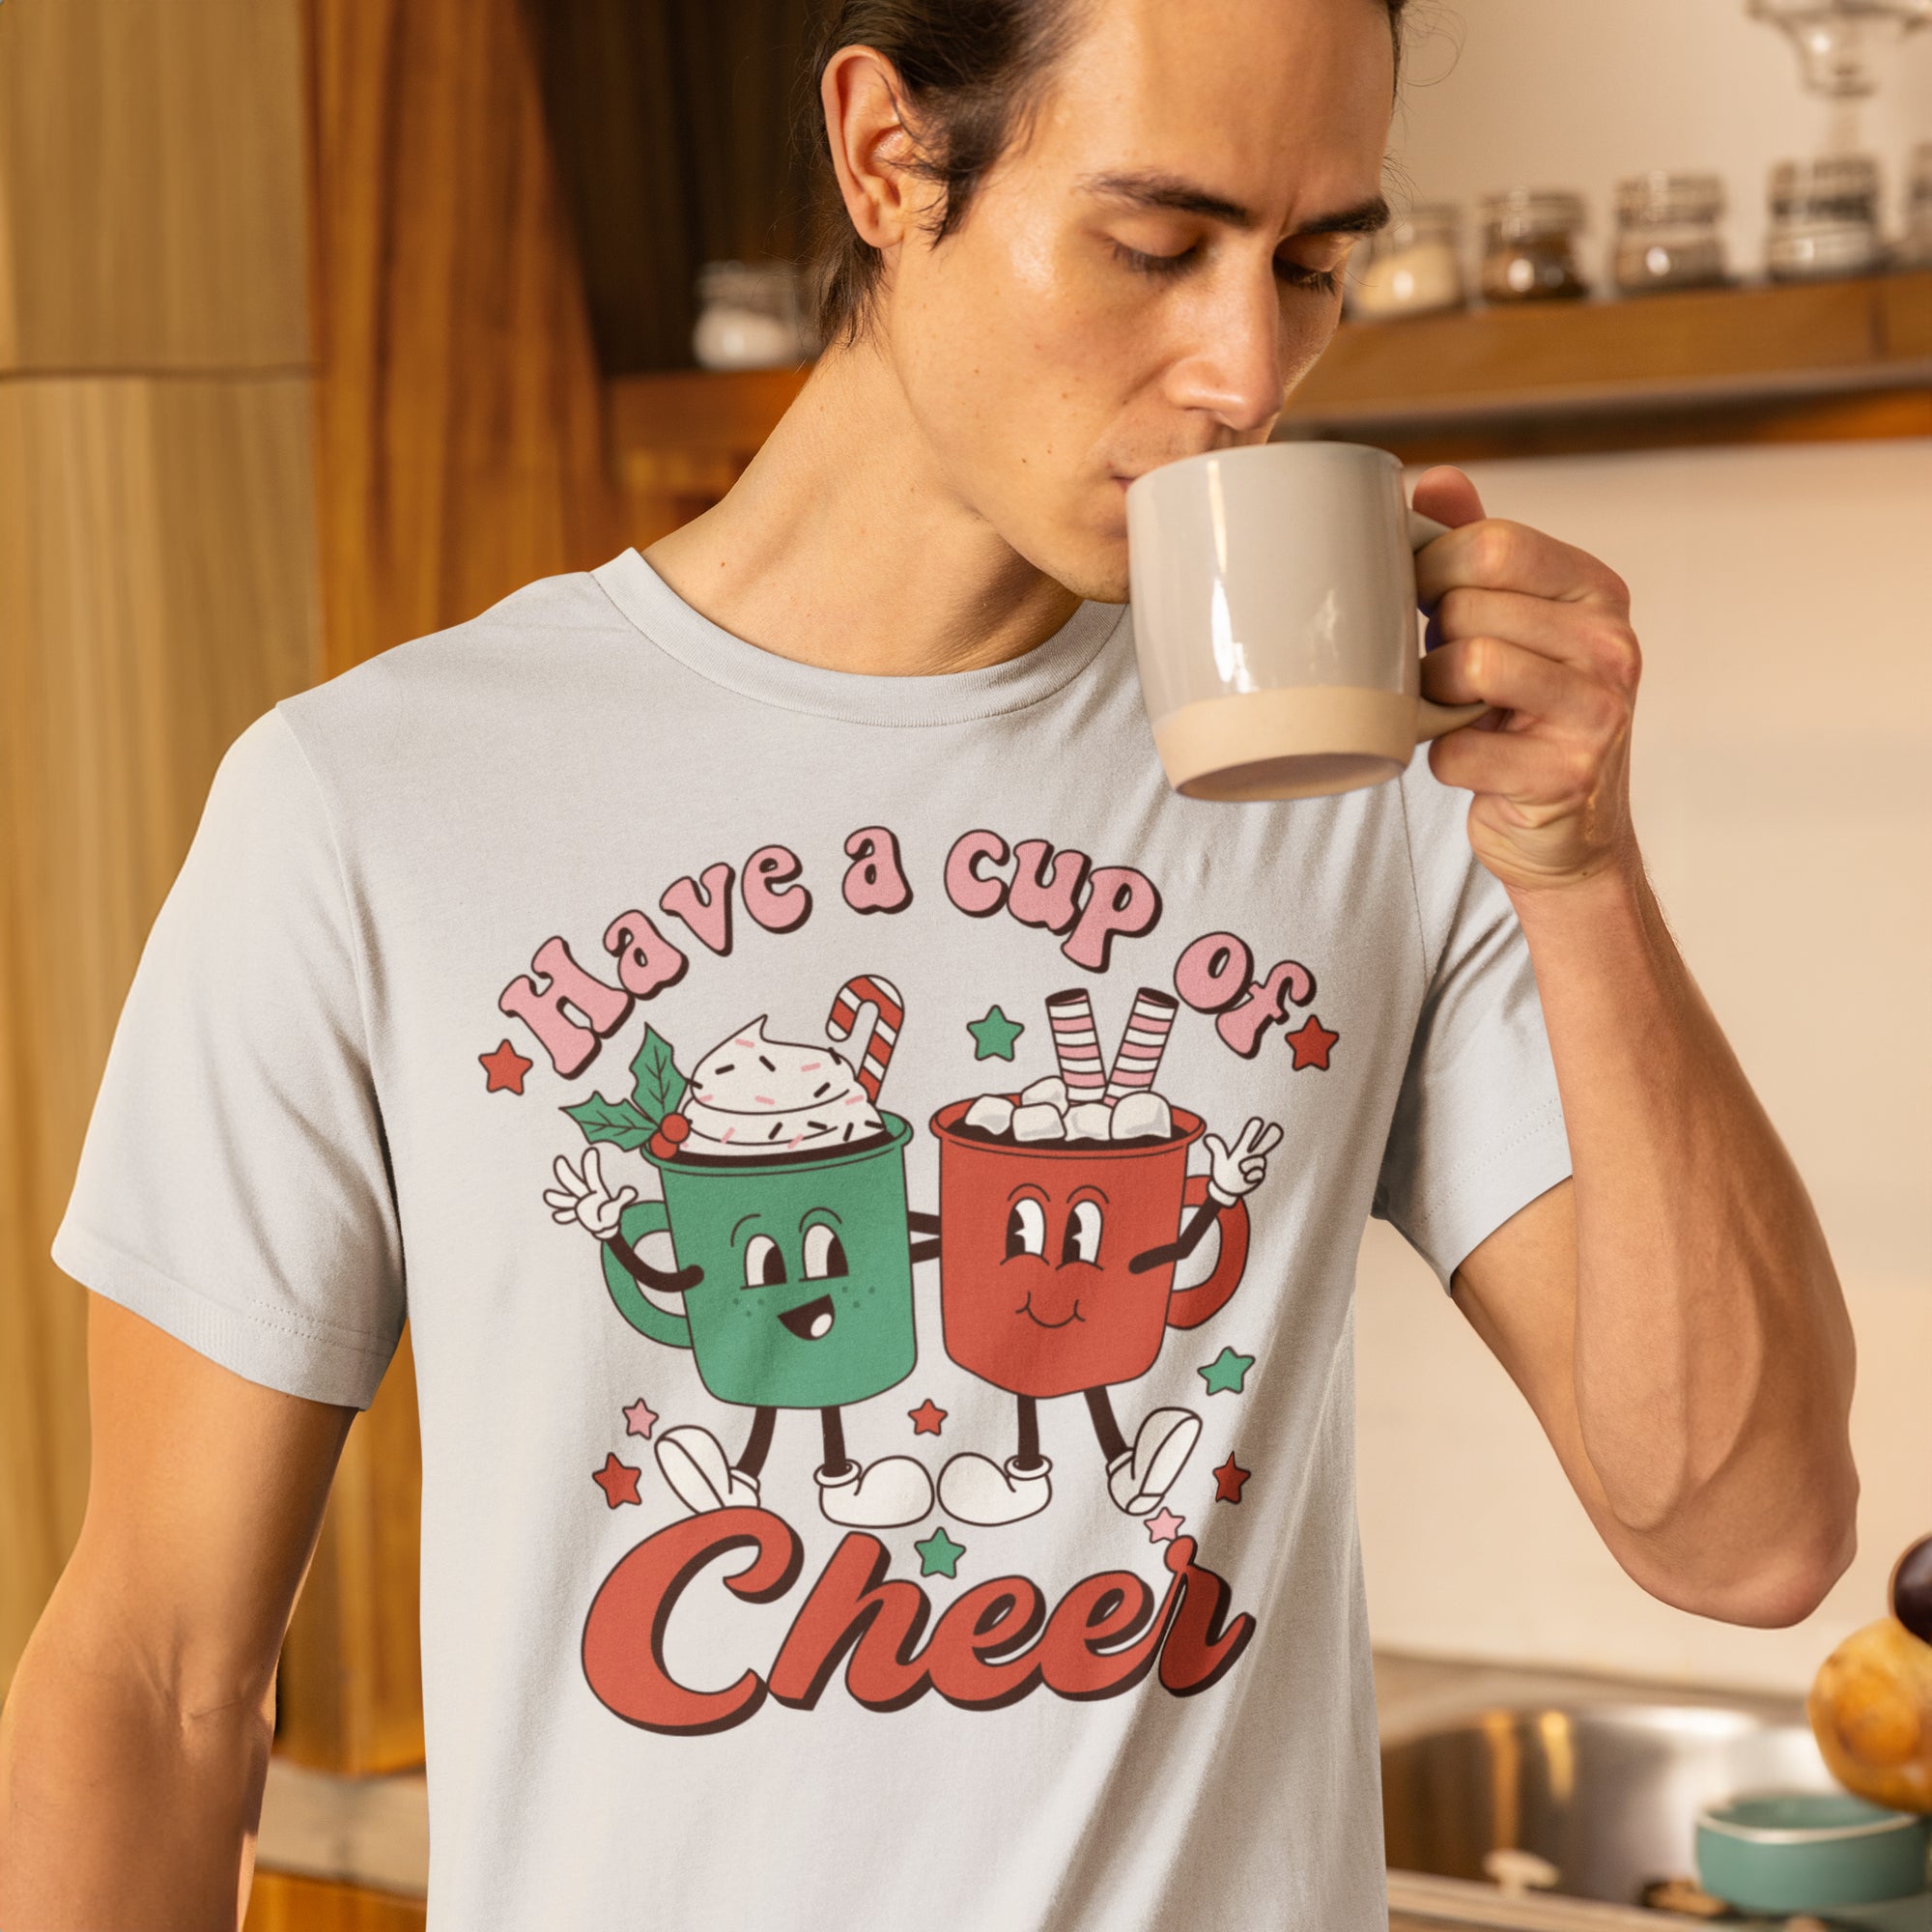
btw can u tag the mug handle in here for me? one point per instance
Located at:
(1433, 720)
(642, 1218)
(1189, 1307)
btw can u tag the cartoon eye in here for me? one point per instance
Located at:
(1026, 1228)
(824, 1253)
(764, 1265)
(1082, 1242)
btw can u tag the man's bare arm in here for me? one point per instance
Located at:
(1673, 1316)
(135, 1737)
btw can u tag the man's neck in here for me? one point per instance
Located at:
(842, 546)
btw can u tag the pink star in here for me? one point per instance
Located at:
(640, 1418)
(1164, 1527)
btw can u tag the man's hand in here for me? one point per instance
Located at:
(1541, 632)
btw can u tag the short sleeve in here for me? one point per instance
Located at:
(234, 1186)
(1478, 1127)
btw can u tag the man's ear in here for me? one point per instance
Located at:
(871, 147)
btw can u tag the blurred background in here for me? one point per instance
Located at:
(326, 323)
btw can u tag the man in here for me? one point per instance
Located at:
(873, 720)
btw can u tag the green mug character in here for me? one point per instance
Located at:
(784, 1198)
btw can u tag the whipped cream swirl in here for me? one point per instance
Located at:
(750, 1096)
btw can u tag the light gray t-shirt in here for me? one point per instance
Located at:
(776, 1097)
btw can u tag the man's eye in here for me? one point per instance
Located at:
(1300, 275)
(1158, 267)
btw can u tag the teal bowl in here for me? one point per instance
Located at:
(1808, 1851)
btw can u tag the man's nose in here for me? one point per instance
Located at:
(1235, 369)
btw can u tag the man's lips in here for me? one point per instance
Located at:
(811, 1320)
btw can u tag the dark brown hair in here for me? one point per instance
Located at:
(971, 73)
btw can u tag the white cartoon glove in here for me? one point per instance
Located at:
(1239, 1170)
(584, 1197)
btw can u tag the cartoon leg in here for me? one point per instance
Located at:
(1139, 1477)
(976, 1488)
(694, 1464)
(885, 1495)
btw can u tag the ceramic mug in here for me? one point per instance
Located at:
(1029, 1315)
(825, 1320)
(1274, 617)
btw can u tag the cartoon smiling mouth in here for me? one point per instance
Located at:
(1025, 1308)
(811, 1320)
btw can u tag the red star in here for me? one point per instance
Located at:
(1228, 1481)
(507, 1067)
(619, 1481)
(1311, 1043)
(926, 1418)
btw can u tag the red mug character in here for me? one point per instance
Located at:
(1056, 1264)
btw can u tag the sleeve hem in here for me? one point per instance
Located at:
(295, 1359)
(1484, 1192)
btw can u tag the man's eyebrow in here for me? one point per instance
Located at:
(1180, 197)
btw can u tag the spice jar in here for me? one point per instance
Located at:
(1529, 246)
(1413, 267)
(1915, 246)
(1667, 233)
(1824, 218)
(749, 316)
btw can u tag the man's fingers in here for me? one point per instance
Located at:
(1542, 775)
(560, 1199)
(1271, 1138)
(565, 1172)
(1513, 677)
(1497, 554)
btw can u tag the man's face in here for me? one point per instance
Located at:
(1143, 278)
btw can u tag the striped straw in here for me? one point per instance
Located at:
(865, 989)
(1142, 1046)
(1076, 1044)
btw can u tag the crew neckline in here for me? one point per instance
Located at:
(944, 698)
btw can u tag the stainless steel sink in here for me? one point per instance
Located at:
(1606, 1792)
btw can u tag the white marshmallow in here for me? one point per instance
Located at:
(1048, 1093)
(990, 1112)
(1090, 1121)
(1141, 1117)
(1038, 1123)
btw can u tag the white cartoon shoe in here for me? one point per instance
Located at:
(885, 1495)
(695, 1465)
(1138, 1480)
(980, 1491)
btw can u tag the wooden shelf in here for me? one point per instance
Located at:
(1829, 362)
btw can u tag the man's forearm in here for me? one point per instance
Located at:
(1712, 1356)
(117, 1806)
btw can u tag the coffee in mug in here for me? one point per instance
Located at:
(1274, 619)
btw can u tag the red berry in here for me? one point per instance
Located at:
(675, 1128)
(661, 1147)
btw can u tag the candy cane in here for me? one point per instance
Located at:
(1076, 1044)
(1143, 1043)
(861, 990)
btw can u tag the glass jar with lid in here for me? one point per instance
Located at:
(1824, 218)
(1667, 233)
(1413, 267)
(1915, 246)
(1529, 246)
(749, 316)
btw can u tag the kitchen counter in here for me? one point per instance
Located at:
(375, 1832)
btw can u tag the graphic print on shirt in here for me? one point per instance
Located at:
(1065, 1208)
(784, 1193)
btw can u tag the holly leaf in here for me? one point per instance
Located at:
(619, 1122)
(657, 1084)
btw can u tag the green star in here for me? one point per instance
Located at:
(939, 1555)
(993, 1037)
(1225, 1373)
